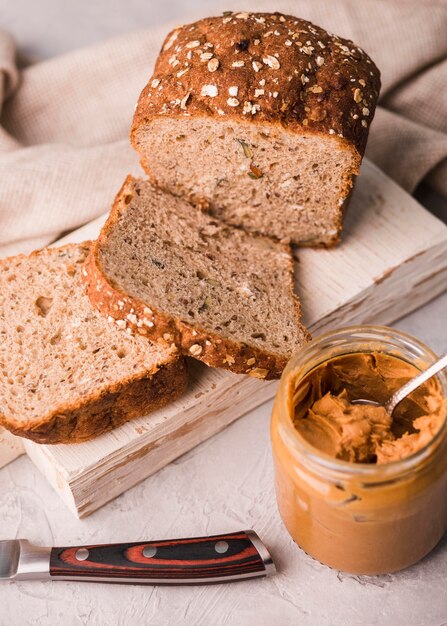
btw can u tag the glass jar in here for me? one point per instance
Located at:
(359, 518)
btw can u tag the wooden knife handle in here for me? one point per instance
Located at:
(219, 558)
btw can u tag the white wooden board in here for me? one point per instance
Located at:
(11, 447)
(393, 259)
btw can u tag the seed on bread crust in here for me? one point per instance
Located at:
(213, 65)
(196, 349)
(184, 101)
(358, 96)
(209, 90)
(271, 61)
(259, 372)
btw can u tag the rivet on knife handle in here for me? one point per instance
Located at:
(199, 560)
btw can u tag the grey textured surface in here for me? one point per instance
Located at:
(224, 484)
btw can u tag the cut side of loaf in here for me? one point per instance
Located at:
(186, 279)
(274, 113)
(264, 179)
(66, 373)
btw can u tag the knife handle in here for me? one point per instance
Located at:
(219, 558)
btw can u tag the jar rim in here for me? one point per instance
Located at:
(320, 460)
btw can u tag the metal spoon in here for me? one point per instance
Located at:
(409, 387)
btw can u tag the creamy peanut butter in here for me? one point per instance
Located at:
(367, 516)
(365, 433)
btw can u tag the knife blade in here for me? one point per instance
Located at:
(198, 560)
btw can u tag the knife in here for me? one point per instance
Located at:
(198, 560)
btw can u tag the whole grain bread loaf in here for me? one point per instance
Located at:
(185, 279)
(66, 373)
(274, 113)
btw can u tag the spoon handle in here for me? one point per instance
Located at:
(414, 383)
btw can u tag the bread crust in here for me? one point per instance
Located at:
(323, 82)
(103, 410)
(142, 318)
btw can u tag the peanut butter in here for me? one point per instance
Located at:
(365, 433)
(357, 489)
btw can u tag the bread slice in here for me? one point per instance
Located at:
(183, 278)
(274, 113)
(66, 373)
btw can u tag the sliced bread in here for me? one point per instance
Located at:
(186, 279)
(66, 374)
(273, 111)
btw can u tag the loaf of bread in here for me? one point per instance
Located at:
(272, 112)
(183, 278)
(67, 374)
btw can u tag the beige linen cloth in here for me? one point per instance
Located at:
(64, 147)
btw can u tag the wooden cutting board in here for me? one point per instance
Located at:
(393, 259)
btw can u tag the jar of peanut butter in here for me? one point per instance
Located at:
(357, 489)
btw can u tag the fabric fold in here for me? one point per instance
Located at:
(8, 68)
